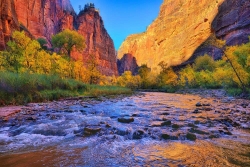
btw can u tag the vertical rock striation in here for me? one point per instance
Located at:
(8, 21)
(44, 18)
(182, 25)
(232, 24)
(98, 42)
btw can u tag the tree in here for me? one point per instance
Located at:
(222, 45)
(93, 73)
(42, 43)
(128, 80)
(144, 72)
(167, 76)
(205, 62)
(20, 52)
(68, 40)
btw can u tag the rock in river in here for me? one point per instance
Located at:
(138, 134)
(126, 119)
(90, 130)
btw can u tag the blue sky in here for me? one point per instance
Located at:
(124, 17)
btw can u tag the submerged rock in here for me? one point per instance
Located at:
(191, 136)
(197, 111)
(138, 134)
(90, 130)
(166, 123)
(126, 119)
(168, 137)
(198, 104)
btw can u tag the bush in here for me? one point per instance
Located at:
(22, 88)
(203, 63)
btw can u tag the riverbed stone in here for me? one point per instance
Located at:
(166, 136)
(126, 119)
(175, 126)
(197, 111)
(166, 123)
(198, 104)
(138, 134)
(191, 136)
(91, 130)
(201, 132)
(32, 118)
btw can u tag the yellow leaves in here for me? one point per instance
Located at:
(128, 80)
(187, 76)
(223, 76)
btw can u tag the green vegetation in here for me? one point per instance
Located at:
(232, 73)
(68, 40)
(23, 88)
(97, 90)
(31, 73)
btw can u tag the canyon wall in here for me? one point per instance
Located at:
(98, 42)
(127, 63)
(44, 18)
(8, 21)
(183, 25)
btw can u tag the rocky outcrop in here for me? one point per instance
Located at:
(184, 26)
(8, 21)
(127, 63)
(231, 24)
(98, 42)
(44, 18)
(175, 34)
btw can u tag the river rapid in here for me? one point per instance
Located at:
(145, 129)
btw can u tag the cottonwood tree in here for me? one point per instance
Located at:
(68, 40)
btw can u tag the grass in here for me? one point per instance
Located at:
(16, 89)
(97, 90)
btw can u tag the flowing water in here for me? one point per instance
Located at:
(147, 129)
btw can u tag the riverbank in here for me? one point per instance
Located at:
(21, 89)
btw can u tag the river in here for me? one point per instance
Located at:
(145, 129)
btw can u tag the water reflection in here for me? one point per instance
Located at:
(55, 134)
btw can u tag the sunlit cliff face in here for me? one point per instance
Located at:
(175, 34)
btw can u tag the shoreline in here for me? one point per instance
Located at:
(8, 111)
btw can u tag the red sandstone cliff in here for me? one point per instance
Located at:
(44, 18)
(127, 63)
(8, 21)
(98, 42)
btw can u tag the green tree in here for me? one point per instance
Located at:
(167, 76)
(68, 40)
(144, 72)
(43, 42)
(203, 63)
(15, 55)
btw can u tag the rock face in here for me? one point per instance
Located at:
(8, 21)
(232, 24)
(182, 26)
(175, 34)
(44, 18)
(127, 63)
(98, 42)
